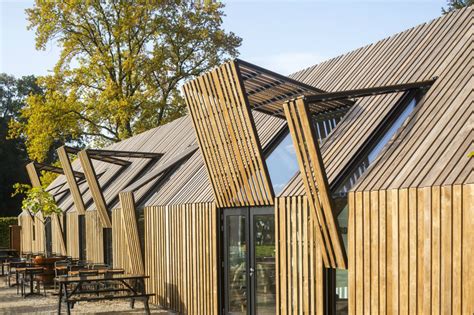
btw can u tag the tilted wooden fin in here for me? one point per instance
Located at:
(95, 189)
(228, 139)
(315, 182)
(71, 179)
(132, 238)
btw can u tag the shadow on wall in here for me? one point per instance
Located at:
(172, 299)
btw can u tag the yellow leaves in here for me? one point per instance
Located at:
(120, 67)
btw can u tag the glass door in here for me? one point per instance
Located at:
(249, 261)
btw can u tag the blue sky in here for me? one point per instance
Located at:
(284, 36)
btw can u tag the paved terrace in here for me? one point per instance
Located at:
(12, 303)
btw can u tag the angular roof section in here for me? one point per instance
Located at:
(266, 91)
(431, 147)
(186, 182)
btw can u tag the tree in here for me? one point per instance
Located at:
(13, 155)
(120, 68)
(456, 4)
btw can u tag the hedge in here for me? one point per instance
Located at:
(5, 222)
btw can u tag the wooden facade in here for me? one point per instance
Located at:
(181, 257)
(299, 258)
(410, 250)
(410, 208)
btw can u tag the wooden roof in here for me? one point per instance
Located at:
(266, 91)
(187, 182)
(432, 146)
(430, 149)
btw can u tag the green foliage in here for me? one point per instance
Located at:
(120, 68)
(456, 4)
(5, 222)
(37, 200)
(13, 92)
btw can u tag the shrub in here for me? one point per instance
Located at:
(5, 222)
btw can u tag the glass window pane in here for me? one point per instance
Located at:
(237, 264)
(282, 164)
(265, 273)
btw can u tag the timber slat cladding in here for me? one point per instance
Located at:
(299, 264)
(72, 230)
(441, 123)
(132, 238)
(94, 188)
(411, 251)
(180, 257)
(228, 139)
(26, 223)
(57, 239)
(316, 185)
(94, 237)
(71, 179)
(119, 251)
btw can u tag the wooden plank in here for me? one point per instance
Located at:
(33, 175)
(71, 180)
(374, 252)
(436, 250)
(351, 233)
(467, 248)
(412, 250)
(457, 248)
(132, 238)
(95, 189)
(446, 250)
(403, 251)
(359, 259)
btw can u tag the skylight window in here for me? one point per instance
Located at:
(374, 152)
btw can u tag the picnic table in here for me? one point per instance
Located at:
(14, 265)
(28, 274)
(73, 289)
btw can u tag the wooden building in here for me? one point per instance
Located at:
(346, 187)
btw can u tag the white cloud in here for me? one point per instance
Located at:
(288, 62)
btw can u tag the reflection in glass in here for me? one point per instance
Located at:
(265, 277)
(282, 164)
(237, 257)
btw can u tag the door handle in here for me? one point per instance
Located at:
(251, 271)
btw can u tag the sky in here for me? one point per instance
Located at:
(281, 35)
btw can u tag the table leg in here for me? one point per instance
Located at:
(31, 284)
(147, 306)
(16, 277)
(66, 295)
(60, 297)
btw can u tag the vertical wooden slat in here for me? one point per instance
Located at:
(467, 249)
(436, 250)
(457, 248)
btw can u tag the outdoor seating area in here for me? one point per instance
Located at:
(71, 281)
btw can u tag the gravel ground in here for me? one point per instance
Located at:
(11, 303)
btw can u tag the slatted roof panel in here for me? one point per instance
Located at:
(432, 146)
(266, 91)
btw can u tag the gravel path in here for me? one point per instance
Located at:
(11, 303)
